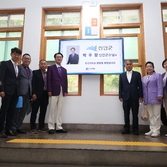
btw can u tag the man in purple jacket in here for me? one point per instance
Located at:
(57, 88)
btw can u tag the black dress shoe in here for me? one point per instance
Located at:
(11, 133)
(61, 131)
(125, 132)
(3, 135)
(136, 133)
(20, 131)
(51, 131)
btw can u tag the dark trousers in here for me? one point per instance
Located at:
(20, 113)
(41, 102)
(7, 111)
(134, 106)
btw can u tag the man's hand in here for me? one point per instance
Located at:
(49, 94)
(159, 98)
(34, 97)
(65, 94)
(140, 100)
(2, 94)
(121, 100)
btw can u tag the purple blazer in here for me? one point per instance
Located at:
(152, 89)
(55, 81)
(166, 81)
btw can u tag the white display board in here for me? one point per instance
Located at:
(93, 56)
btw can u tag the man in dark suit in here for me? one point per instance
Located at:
(39, 96)
(57, 89)
(73, 57)
(25, 90)
(9, 82)
(130, 93)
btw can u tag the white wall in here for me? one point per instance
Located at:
(90, 108)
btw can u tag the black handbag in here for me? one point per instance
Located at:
(163, 115)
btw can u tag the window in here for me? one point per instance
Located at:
(111, 82)
(62, 18)
(123, 21)
(61, 24)
(164, 24)
(121, 16)
(11, 31)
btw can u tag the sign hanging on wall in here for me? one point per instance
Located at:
(93, 56)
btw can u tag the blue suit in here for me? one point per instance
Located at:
(73, 59)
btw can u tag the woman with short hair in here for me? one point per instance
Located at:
(153, 93)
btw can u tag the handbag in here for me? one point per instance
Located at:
(144, 113)
(163, 115)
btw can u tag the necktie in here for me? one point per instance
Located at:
(27, 71)
(59, 70)
(44, 78)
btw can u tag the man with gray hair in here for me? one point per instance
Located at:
(130, 93)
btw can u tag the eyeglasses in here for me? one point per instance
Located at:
(27, 59)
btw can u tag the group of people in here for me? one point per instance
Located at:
(46, 87)
(150, 90)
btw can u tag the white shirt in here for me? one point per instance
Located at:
(57, 65)
(59, 69)
(15, 65)
(148, 77)
(129, 75)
